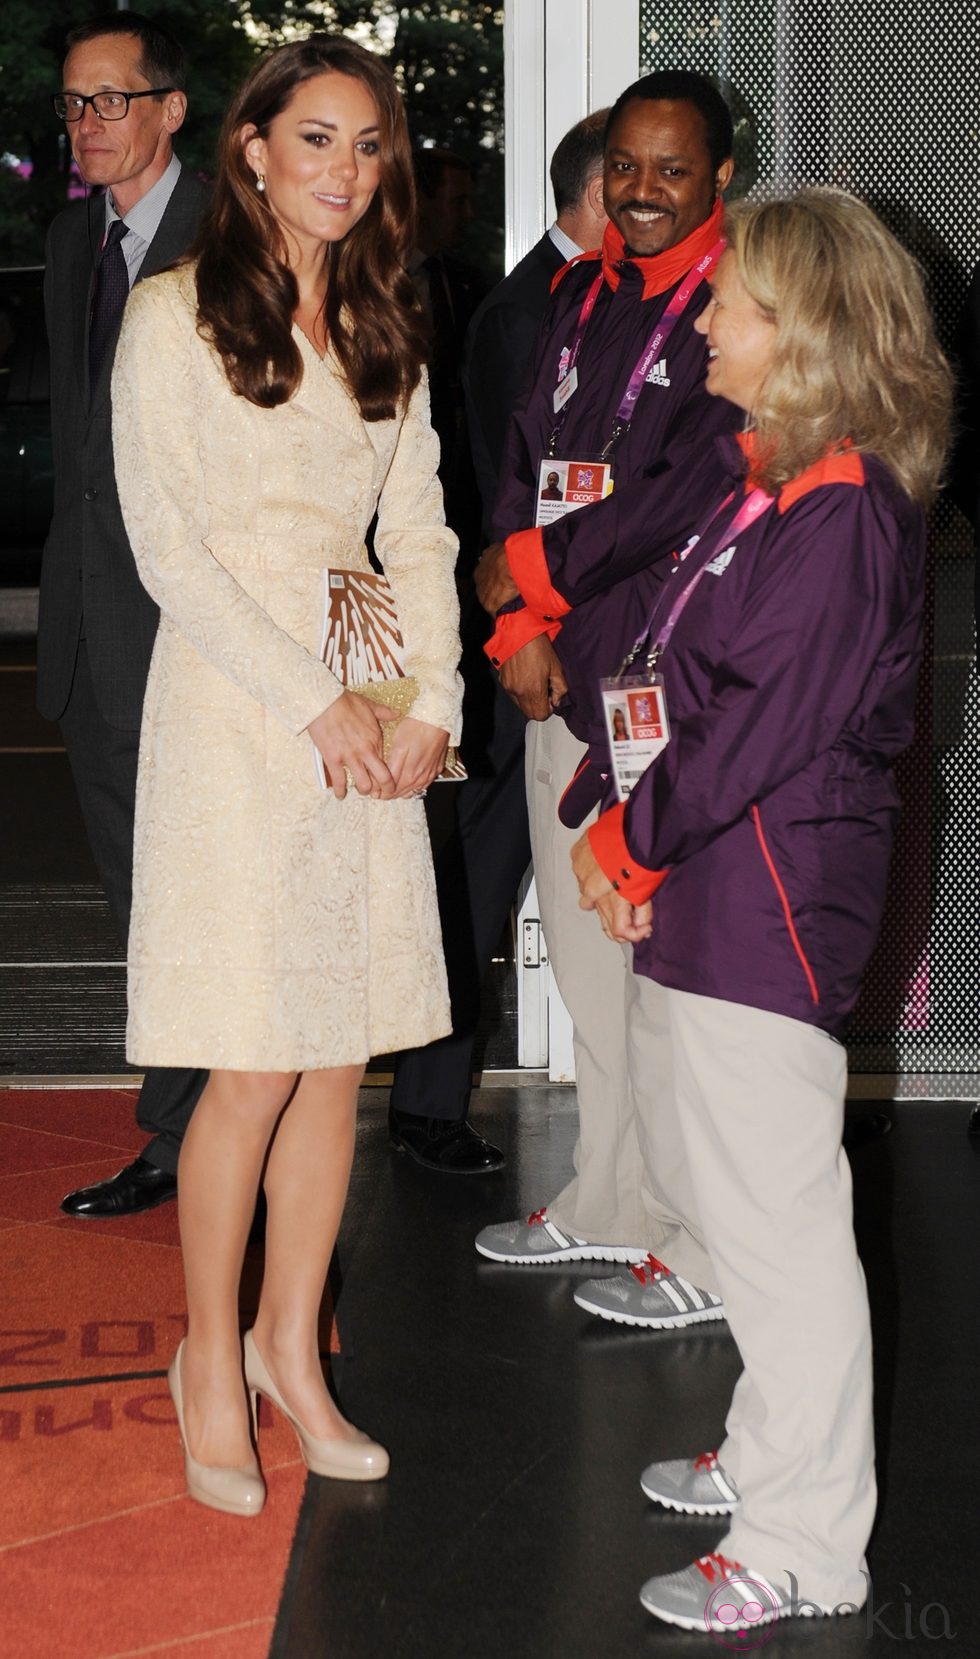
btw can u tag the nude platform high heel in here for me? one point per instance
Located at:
(361, 1459)
(235, 1491)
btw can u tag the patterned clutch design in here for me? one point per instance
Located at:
(362, 644)
(361, 637)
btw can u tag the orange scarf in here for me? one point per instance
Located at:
(661, 271)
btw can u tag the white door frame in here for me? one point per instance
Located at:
(562, 59)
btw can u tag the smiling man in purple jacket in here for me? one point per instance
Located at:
(618, 382)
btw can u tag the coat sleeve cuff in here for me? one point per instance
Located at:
(514, 630)
(607, 839)
(529, 568)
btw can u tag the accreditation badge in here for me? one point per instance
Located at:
(565, 486)
(635, 707)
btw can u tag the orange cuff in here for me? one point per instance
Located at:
(515, 629)
(607, 839)
(529, 568)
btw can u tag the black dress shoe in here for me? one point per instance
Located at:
(446, 1144)
(140, 1186)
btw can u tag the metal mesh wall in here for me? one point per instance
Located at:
(880, 98)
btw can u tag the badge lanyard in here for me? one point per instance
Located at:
(755, 504)
(635, 704)
(663, 329)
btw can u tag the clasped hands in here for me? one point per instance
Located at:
(533, 677)
(348, 736)
(626, 923)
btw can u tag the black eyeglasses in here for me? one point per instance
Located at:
(108, 106)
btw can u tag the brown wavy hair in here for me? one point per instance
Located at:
(246, 293)
(856, 355)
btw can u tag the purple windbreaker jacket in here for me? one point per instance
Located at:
(674, 410)
(790, 681)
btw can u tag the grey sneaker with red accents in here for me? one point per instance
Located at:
(649, 1294)
(539, 1240)
(700, 1487)
(718, 1596)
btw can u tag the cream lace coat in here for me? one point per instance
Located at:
(273, 927)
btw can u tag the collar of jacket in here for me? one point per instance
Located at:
(662, 270)
(840, 465)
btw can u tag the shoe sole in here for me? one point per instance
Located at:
(222, 1505)
(443, 1169)
(685, 1621)
(669, 1322)
(577, 1253)
(116, 1215)
(721, 1508)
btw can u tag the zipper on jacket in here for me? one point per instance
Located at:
(784, 901)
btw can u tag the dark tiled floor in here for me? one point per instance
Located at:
(512, 1525)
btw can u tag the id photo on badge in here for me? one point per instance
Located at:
(553, 483)
(619, 728)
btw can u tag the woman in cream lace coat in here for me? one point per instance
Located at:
(268, 399)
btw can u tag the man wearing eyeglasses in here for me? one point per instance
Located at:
(121, 102)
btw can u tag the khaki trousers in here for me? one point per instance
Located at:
(710, 1133)
(629, 1168)
(603, 1202)
(760, 1103)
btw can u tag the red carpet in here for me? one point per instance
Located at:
(102, 1556)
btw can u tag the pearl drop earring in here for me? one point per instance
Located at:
(260, 182)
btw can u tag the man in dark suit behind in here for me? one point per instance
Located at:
(480, 861)
(500, 348)
(122, 103)
(450, 289)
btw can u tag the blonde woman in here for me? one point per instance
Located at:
(269, 397)
(747, 871)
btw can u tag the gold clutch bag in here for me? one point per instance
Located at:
(397, 694)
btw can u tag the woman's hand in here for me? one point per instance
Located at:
(494, 583)
(418, 755)
(626, 923)
(348, 735)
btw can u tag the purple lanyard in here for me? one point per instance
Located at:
(755, 504)
(662, 331)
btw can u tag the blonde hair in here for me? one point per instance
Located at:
(855, 354)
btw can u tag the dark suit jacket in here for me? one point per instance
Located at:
(464, 288)
(499, 353)
(88, 564)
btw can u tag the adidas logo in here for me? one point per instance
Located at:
(720, 563)
(658, 374)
